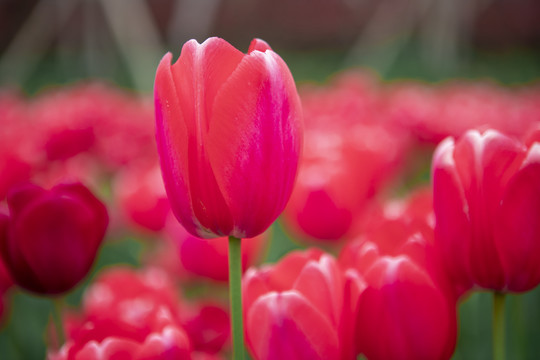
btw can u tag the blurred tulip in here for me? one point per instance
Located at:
(127, 303)
(67, 143)
(51, 238)
(433, 113)
(208, 327)
(229, 134)
(141, 197)
(14, 170)
(348, 158)
(487, 205)
(293, 309)
(171, 343)
(404, 311)
(209, 259)
(128, 312)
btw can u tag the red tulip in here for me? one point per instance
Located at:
(487, 205)
(209, 259)
(348, 157)
(228, 130)
(126, 303)
(171, 343)
(141, 197)
(208, 327)
(403, 311)
(293, 309)
(129, 314)
(51, 238)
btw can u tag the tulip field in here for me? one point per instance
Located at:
(239, 213)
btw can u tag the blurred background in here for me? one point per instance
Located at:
(48, 43)
(45, 42)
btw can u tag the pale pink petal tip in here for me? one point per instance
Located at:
(259, 45)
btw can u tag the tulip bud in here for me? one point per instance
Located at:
(229, 134)
(487, 204)
(51, 238)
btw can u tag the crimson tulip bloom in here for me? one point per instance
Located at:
(209, 259)
(343, 167)
(293, 309)
(127, 314)
(228, 131)
(51, 238)
(141, 197)
(208, 327)
(404, 311)
(170, 343)
(487, 206)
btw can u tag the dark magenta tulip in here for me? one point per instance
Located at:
(51, 237)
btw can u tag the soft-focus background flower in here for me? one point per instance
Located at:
(381, 82)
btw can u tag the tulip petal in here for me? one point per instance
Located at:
(171, 138)
(517, 227)
(254, 141)
(171, 344)
(258, 45)
(399, 304)
(485, 162)
(285, 326)
(321, 284)
(199, 73)
(452, 227)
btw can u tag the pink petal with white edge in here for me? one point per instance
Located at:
(285, 326)
(255, 140)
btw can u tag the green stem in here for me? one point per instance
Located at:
(235, 297)
(57, 319)
(498, 326)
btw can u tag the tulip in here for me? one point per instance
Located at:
(141, 197)
(487, 204)
(128, 312)
(228, 131)
(208, 327)
(126, 303)
(293, 310)
(51, 238)
(170, 343)
(404, 310)
(209, 259)
(343, 166)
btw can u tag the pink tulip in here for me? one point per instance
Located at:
(170, 343)
(229, 134)
(487, 206)
(141, 197)
(404, 310)
(51, 238)
(349, 156)
(209, 259)
(208, 327)
(293, 309)
(127, 314)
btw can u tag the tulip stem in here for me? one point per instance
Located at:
(498, 326)
(57, 319)
(235, 297)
